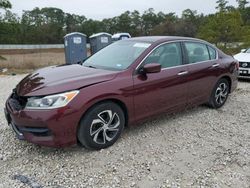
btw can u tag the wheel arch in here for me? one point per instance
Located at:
(229, 81)
(122, 106)
(120, 103)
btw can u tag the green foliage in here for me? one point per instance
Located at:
(187, 25)
(49, 25)
(50, 21)
(9, 26)
(221, 5)
(223, 27)
(91, 26)
(242, 3)
(246, 36)
(5, 4)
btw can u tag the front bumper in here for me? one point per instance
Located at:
(52, 128)
(244, 73)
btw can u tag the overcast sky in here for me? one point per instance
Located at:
(99, 9)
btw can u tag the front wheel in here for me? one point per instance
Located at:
(101, 126)
(220, 94)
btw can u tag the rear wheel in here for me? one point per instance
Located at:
(101, 126)
(220, 94)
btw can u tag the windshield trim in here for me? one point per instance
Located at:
(102, 67)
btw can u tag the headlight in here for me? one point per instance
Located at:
(52, 101)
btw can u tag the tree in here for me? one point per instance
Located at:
(245, 15)
(222, 28)
(49, 25)
(242, 4)
(137, 24)
(221, 5)
(189, 14)
(166, 28)
(109, 25)
(9, 28)
(49, 20)
(73, 22)
(149, 20)
(90, 27)
(5, 4)
(189, 23)
(124, 22)
(244, 10)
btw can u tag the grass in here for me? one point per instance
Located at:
(2, 58)
(24, 61)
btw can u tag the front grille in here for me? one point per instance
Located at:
(17, 102)
(245, 64)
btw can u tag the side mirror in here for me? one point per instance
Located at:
(243, 50)
(152, 68)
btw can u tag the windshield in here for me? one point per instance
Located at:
(117, 56)
(248, 50)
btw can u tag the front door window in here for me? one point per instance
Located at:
(167, 55)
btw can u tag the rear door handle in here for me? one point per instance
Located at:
(182, 73)
(215, 65)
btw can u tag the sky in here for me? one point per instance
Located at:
(99, 9)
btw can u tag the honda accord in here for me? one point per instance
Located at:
(124, 83)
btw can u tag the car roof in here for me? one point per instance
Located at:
(153, 39)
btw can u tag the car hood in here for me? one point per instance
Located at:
(243, 57)
(59, 79)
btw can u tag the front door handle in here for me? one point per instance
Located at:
(182, 73)
(215, 65)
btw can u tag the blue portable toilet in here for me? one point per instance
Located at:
(75, 45)
(99, 41)
(120, 36)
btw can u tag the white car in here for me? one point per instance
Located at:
(244, 61)
(120, 36)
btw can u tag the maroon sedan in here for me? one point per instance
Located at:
(120, 85)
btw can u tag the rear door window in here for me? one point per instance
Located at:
(196, 52)
(212, 52)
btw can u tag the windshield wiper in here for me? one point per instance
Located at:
(90, 66)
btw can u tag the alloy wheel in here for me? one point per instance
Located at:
(105, 127)
(221, 93)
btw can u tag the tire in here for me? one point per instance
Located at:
(219, 94)
(101, 126)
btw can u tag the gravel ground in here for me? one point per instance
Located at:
(200, 147)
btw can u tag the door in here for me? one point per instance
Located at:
(204, 69)
(163, 91)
